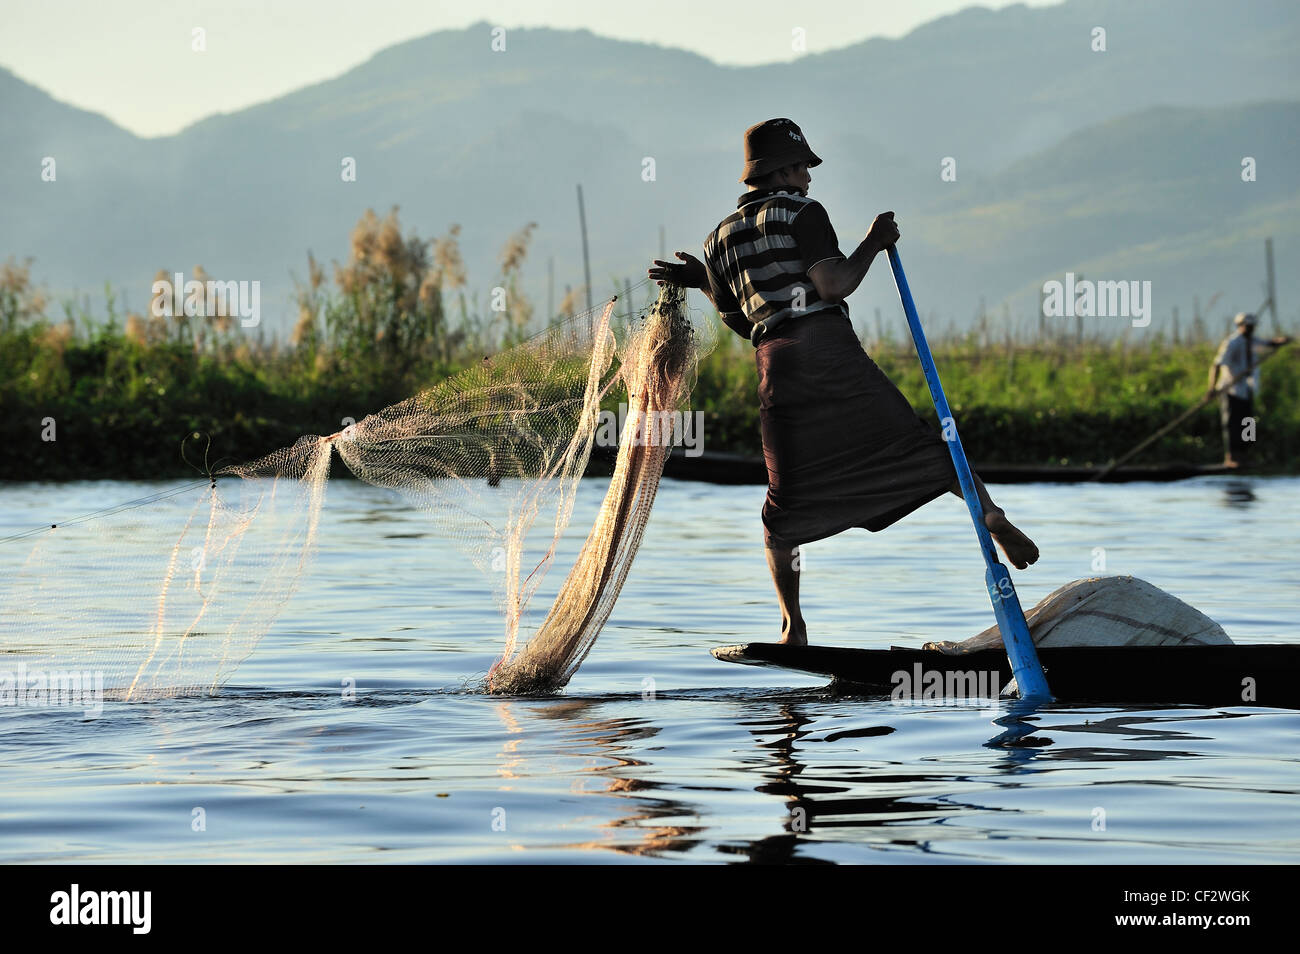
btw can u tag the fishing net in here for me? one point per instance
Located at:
(165, 595)
(168, 595)
(657, 373)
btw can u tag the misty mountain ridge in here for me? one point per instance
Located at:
(1124, 164)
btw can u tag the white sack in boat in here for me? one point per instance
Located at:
(1106, 611)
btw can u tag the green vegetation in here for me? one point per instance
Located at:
(125, 394)
(1085, 403)
(1073, 402)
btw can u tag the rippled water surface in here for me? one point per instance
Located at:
(658, 752)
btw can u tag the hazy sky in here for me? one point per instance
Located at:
(131, 59)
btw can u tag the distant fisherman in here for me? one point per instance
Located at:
(1237, 361)
(843, 447)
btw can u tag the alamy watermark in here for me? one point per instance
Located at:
(193, 298)
(944, 685)
(75, 906)
(53, 689)
(651, 429)
(1083, 298)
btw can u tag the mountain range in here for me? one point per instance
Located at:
(1122, 164)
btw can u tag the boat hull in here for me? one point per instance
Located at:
(1253, 675)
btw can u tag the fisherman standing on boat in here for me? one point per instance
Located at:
(1237, 362)
(843, 447)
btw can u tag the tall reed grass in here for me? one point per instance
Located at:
(125, 394)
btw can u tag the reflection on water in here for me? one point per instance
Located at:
(829, 786)
(1018, 725)
(1238, 492)
(716, 763)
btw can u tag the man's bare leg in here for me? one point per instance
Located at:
(1020, 550)
(786, 577)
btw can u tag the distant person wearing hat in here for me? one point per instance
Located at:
(842, 445)
(1234, 376)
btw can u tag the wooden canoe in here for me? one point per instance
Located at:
(1253, 675)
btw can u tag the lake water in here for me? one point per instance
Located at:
(657, 752)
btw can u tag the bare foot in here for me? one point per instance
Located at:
(795, 636)
(1020, 550)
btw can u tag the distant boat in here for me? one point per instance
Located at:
(722, 468)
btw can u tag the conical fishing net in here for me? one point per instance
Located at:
(168, 595)
(657, 373)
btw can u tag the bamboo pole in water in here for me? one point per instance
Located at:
(586, 259)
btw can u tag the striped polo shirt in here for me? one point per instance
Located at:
(759, 256)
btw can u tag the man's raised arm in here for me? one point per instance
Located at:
(837, 279)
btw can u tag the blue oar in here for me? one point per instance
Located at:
(1006, 605)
